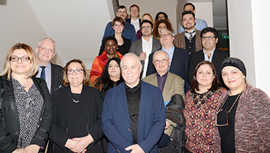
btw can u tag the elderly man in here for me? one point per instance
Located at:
(51, 73)
(133, 116)
(171, 86)
(169, 83)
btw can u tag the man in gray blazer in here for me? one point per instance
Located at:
(146, 45)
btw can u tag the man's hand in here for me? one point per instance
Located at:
(31, 149)
(142, 56)
(134, 149)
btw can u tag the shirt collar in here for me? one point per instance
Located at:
(206, 58)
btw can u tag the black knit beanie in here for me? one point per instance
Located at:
(235, 62)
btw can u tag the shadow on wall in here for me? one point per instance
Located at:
(3, 2)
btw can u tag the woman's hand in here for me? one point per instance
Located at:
(83, 142)
(21, 150)
(31, 149)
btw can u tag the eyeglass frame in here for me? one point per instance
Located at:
(23, 59)
(74, 71)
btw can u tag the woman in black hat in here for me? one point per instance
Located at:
(243, 117)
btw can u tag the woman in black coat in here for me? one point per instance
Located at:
(25, 108)
(77, 107)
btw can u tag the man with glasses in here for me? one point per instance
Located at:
(209, 52)
(51, 73)
(146, 45)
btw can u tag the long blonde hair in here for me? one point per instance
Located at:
(28, 49)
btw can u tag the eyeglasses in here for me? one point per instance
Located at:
(160, 61)
(208, 37)
(74, 71)
(46, 49)
(23, 59)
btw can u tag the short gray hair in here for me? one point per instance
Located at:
(131, 55)
(47, 38)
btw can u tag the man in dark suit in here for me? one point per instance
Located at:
(133, 117)
(178, 57)
(146, 45)
(209, 38)
(51, 73)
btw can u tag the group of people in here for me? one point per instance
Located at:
(150, 90)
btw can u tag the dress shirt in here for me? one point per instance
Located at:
(136, 24)
(161, 81)
(169, 51)
(206, 58)
(147, 48)
(133, 101)
(48, 74)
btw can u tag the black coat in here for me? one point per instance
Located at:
(197, 57)
(9, 119)
(57, 73)
(57, 77)
(59, 133)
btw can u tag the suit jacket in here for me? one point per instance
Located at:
(173, 85)
(57, 77)
(180, 42)
(179, 65)
(116, 121)
(197, 57)
(136, 46)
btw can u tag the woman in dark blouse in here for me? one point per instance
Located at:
(201, 105)
(123, 43)
(111, 76)
(76, 123)
(25, 106)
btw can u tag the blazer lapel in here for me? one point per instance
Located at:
(167, 86)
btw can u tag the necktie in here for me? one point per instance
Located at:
(42, 75)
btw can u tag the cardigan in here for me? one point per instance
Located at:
(252, 120)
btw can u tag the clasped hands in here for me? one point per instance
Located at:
(78, 145)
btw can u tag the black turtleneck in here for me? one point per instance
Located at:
(133, 101)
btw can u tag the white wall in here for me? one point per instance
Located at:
(18, 24)
(261, 43)
(249, 39)
(154, 6)
(204, 10)
(76, 26)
